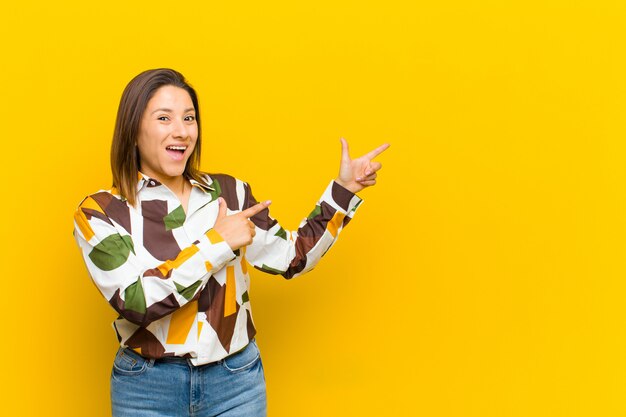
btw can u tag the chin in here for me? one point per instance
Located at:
(175, 170)
(175, 173)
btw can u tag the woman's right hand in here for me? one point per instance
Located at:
(237, 230)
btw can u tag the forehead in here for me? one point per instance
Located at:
(171, 97)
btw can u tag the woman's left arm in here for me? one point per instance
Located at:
(291, 253)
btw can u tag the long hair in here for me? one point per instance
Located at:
(124, 152)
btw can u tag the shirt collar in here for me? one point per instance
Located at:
(204, 186)
(145, 181)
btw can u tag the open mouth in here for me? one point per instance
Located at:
(176, 152)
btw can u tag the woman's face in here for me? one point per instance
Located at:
(168, 134)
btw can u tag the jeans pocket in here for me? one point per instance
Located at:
(243, 360)
(129, 363)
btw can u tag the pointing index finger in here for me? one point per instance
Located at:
(377, 151)
(257, 208)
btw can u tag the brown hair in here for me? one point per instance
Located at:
(124, 152)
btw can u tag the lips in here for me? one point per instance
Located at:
(176, 152)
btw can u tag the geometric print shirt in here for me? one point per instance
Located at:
(177, 286)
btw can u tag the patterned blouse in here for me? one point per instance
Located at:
(177, 286)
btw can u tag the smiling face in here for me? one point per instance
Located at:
(167, 135)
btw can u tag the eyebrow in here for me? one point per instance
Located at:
(170, 110)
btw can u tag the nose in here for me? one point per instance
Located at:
(180, 130)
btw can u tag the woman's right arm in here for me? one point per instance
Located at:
(139, 294)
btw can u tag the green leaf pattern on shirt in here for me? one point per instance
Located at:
(189, 291)
(175, 219)
(271, 270)
(217, 190)
(111, 252)
(282, 233)
(316, 211)
(134, 298)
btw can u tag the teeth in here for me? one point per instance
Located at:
(177, 148)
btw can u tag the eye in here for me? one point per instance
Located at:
(190, 118)
(161, 117)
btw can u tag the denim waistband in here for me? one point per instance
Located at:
(178, 359)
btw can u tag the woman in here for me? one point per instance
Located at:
(168, 246)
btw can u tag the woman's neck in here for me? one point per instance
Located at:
(178, 185)
(181, 188)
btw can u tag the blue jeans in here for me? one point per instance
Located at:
(231, 387)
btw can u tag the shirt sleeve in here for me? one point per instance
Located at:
(291, 253)
(140, 294)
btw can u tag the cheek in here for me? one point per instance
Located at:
(194, 145)
(143, 148)
(194, 141)
(148, 140)
(148, 150)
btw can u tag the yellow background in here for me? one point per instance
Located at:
(484, 274)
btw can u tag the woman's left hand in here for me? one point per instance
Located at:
(357, 174)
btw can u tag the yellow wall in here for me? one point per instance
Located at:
(483, 276)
